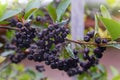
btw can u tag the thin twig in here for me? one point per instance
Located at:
(92, 43)
(11, 28)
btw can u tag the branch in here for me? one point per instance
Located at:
(92, 43)
(11, 28)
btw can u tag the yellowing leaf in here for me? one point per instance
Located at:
(2, 59)
(103, 34)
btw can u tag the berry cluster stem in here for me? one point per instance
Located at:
(6, 27)
(92, 43)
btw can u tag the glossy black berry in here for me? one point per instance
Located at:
(98, 40)
(104, 41)
(27, 24)
(99, 55)
(86, 38)
(90, 34)
(97, 50)
(13, 22)
(19, 24)
(75, 52)
(38, 18)
(30, 57)
(86, 50)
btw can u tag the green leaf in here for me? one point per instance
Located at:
(112, 26)
(24, 77)
(4, 22)
(101, 68)
(105, 13)
(39, 76)
(69, 50)
(96, 75)
(111, 2)
(84, 76)
(114, 71)
(2, 9)
(6, 53)
(31, 8)
(19, 68)
(32, 4)
(96, 24)
(116, 77)
(29, 13)
(52, 12)
(10, 13)
(10, 34)
(63, 23)
(2, 59)
(32, 73)
(62, 8)
(116, 45)
(1, 45)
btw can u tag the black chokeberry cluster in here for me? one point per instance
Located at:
(89, 59)
(24, 37)
(13, 22)
(46, 46)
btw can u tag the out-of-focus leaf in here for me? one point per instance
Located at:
(112, 26)
(96, 24)
(39, 76)
(4, 22)
(116, 77)
(101, 68)
(10, 13)
(114, 45)
(114, 71)
(2, 59)
(6, 53)
(105, 13)
(69, 50)
(19, 68)
(1, 45)
(24, 77)
(32, 5)
(63, 23)
(96, 75)
(39, 12)
(64, 54)
(2, 9)
(84, 76)
(29, 71)
(111, 2)
(62, 8)
(52, 12)
(28, 14)
(10, 34)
